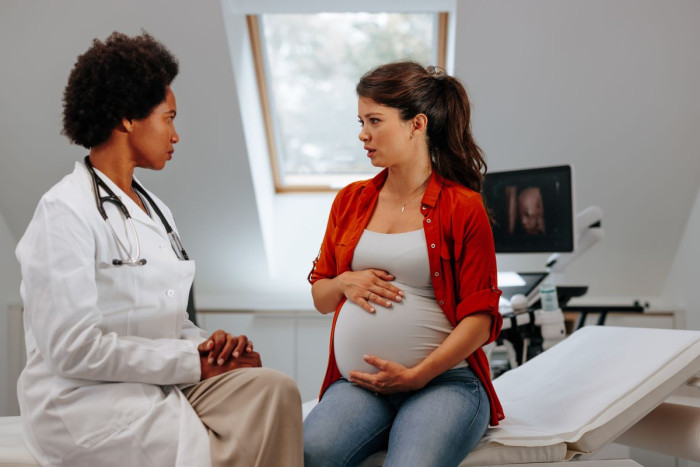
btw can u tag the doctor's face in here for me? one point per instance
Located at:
(152, 138)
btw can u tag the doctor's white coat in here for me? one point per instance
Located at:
(106, 345)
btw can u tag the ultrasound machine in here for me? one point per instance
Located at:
(533, 211)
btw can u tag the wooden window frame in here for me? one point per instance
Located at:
(253, 23)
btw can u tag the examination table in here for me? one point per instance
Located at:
(599, 385)
(596, 385)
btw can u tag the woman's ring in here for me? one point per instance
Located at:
(369, 295)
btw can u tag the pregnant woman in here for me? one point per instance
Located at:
(408, 265)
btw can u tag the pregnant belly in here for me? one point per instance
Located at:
(406, 333)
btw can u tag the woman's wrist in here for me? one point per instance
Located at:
(430, 368)
(419, 376)
(339, 282)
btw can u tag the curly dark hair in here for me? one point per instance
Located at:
(122, 77)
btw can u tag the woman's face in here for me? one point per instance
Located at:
(153, 137)
(387, 138)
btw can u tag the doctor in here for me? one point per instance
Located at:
(116, 374)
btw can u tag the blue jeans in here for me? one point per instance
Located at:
(437, 425)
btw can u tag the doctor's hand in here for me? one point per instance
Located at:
(392, 377)
(222, 346)
(369, 286)
(247, 360)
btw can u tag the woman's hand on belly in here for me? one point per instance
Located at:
(369, 286)
(391, 378)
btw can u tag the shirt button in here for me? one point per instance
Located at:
(437, 274)
(170, 293)
(424, 207)
(441, 302)
(428, 221)
(432, 245)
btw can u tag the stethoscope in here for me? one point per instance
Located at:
(136, 260)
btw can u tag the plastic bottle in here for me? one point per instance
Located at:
(548, 296)
(550, 318)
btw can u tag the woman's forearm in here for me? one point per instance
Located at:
(327, 294)
(470, 334)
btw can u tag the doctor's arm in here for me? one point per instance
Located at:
(220, 346)
(59, 289)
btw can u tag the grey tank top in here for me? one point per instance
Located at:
(408, 331)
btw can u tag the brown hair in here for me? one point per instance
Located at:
(412, 89)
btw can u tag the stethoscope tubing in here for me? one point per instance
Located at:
(111, 197)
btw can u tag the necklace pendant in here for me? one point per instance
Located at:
(403, 208)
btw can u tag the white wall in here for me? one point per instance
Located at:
(9, 295)
(611, 88)
(684, 278)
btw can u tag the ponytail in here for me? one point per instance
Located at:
(412, 89)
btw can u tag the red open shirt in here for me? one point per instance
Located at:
(460, 253)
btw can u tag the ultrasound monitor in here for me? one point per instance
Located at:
(532, 210)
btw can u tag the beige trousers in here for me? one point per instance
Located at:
(253, 416)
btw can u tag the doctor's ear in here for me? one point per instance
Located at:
(127, 125)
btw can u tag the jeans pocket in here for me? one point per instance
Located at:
(462, 375)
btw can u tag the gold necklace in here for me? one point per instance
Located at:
(403, 206)
(421, 190)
